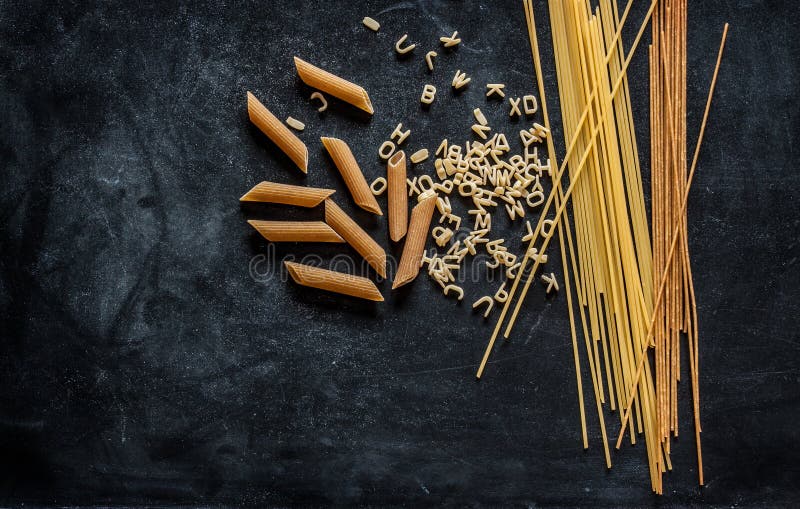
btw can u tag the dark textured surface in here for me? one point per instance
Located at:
(142, 364)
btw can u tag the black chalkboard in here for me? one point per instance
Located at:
(149, 358)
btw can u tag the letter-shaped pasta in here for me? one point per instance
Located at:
(429, 59)
(428, 94)
(333, 85)
(286, 194)
(418, 227)
(398, 195)
(419, 155)
(460, 79)
(356, 237)
(331, 281)
(489, 301)
(371, 24)
(346, 163)
(277, 132)
(495, 89)
(296, 231)
(454, 288)
(398, 46)
(451, 41)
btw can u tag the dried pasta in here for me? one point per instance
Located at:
(277, 132)
(460, 80)
(286, 194)
(331, 281)
(296, 231)
(322, 100)
(398, 195)
(419, 156)
(418, 227)
(333, 85)
(371, 24)
(374, 255)
(451, 41)
(398, 47)
(480, 117)
(378, 186)
(295, 124)
(429, 59)
(351, 173)
(495, 89)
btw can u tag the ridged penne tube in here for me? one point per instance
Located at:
(398, 195)
(277, 132)
(331, 281)
(286, 194)
(334, 85)
(296, 231)
(346, 163)
(418, 228)
(356, 237)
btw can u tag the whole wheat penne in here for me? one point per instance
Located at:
(296, 231)
(286, 194)
(331, 281)
(398, 195)
(346, 163)
(418, 228)
(356, 237)
(334, 85)
(277, 132)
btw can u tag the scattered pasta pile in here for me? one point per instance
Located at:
(627, 290)
(490, 180)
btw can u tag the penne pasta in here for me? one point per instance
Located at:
(356, 237)
(296, 231)
(286, 194)
(346, 163)
(418, 228)
(277, 132)
(398, 195)
(337, 282)
(333, 85)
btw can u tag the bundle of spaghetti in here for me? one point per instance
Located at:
(613, 278)
(614, 270)
(677, 312)
(612, 242)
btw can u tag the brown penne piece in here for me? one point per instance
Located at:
(356, 237)
(277, 132)
(296, 231)
(286, 194)
(398, 195)
(346, 163)
(418, 228)
(333, 85)
(331, 281)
